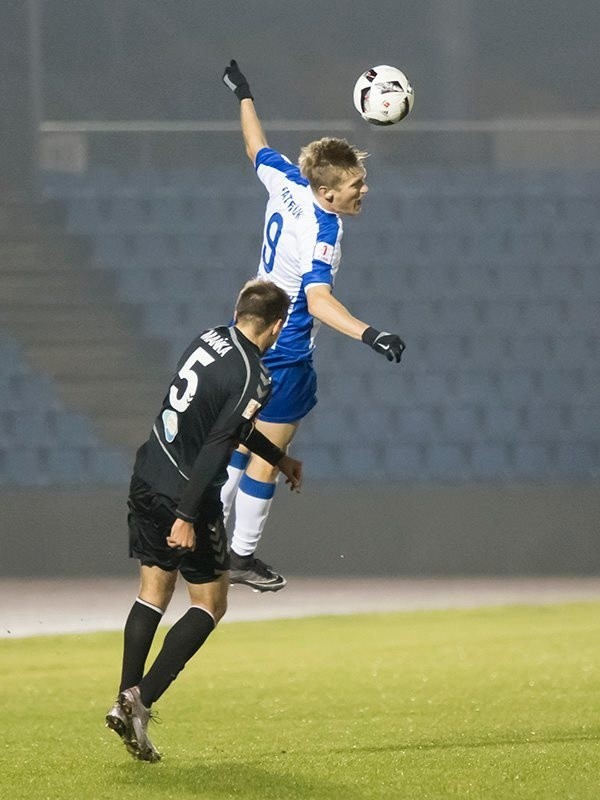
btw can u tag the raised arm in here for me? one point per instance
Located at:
(252, 131)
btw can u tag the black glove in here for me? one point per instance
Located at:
(388, 344)
(234, 80)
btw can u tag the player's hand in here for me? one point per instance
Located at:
(388, 344)
(292, 470)
(236, 81)
(182, 536)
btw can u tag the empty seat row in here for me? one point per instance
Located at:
(406, 279)
(62, 465)
(452, 463)
(484, 261)
(180, 211)
(42, 443)
(464, 423)
(12, 359)
(151, 250)
(188, 284)
(462, 384)
(46, 427)
(504, 247)
(104, 182)
(447, 210)
(208, 211)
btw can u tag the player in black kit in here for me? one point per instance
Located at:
(175, 512)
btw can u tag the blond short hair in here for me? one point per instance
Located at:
(325, 162)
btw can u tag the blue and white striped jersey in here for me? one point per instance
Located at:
(301, 247)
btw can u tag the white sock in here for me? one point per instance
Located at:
(235, 470)
(252, 506)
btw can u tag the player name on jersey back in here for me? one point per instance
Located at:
(216, 342)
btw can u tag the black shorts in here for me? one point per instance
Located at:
(150, 519)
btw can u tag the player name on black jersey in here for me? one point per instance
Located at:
(216, 342)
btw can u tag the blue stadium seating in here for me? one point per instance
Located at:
(43, 443)
(491, 460)
(492, 279)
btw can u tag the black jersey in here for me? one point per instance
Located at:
(219, 387)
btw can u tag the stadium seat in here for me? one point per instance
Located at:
(417, 424)
(70, 426)
(483, 348)
(531, 351)
(502, 421)
(584, 421)
(491, 461)
(321, 461)
(517, 385)
(25, 466)
(533, 459)
(501, 313)
(331, 425)
(589, 391)
(151, 250)
(546, 420)
(501, 212)
(462, 423)
(560, 384)
(362, 463)
(67, 465)
(86, 215)
(108, 466)
(403, 462)
(475, 385)
(461, 315)
(373, 424)
(113, 251)
(447, 462)
(579, 459)
(385, 389)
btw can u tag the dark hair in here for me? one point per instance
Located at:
(263, 303)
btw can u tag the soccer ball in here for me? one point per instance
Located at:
(383, 95)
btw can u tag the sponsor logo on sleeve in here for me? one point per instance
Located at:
(251, 409)
(324, 252)
(170, 424)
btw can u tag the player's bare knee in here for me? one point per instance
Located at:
(261, 470)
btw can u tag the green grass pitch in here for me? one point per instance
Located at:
(489, 703)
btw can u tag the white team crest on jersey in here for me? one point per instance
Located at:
(324, 252)
(170, 424)
(251, 409)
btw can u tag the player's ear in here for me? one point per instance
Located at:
(277, 327)
(326, 193)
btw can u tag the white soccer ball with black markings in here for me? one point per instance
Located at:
(383, 95)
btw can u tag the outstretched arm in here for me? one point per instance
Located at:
(327, 309)
(323, 306)
(252, 131)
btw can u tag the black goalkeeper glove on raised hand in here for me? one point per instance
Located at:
(234, 80)
(388, 344)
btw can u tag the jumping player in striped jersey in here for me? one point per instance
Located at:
(301, 254)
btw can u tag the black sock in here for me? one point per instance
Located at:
(184, 639)
(140, 628)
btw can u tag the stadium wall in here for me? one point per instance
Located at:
(333, 531)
